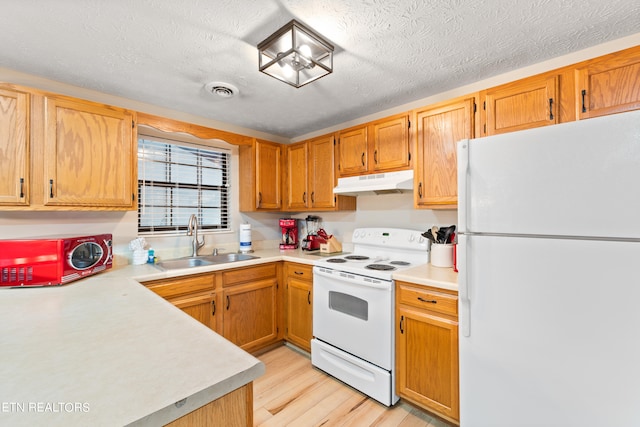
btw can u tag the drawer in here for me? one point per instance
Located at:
(248, 274)
(182, 285)
(427, 298)
(300, 271)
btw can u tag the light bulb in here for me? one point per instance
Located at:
(305, 50)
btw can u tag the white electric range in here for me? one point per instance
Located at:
(353, 308)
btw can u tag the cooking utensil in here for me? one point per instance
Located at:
(429, 236)
(448, 232)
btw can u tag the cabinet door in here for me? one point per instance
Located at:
(391, 144)
(427, 361)
(297, 192)
(322, 172)
(89, 155)
(14, 147)
(299, 312)
(250, 317)
(523, 104)
(200, 307)
(352, 151)
(439, 129)
(609, 85)
(268, 176)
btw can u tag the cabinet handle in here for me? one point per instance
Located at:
(259, 198)
(362, 159)
(228, 302)
(51, 189)
(304, 197)
(402, 324)
(375, 156)
(431, 301)
(313, 197)
(420, 190)
(213, 307)
(299, 273)
(309, 297)
(550, 108)
(584, 107)
(21, 188)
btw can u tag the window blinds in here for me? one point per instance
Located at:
(175, 181)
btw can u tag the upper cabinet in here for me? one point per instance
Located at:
(379, 146)
(89, 153)
(14, 147)
(260, 176)
(391, 143)
(61, 153)
(352, 151)
(311, 177)
(439, 128)
(523, 104)
(609, 84)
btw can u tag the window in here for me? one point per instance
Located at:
(176, 181)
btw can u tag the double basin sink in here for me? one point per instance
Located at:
(204, 260)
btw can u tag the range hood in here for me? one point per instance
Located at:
(379, 183)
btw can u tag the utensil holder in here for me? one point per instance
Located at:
(442, 255)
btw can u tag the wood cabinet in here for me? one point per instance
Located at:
(378, 146)
(297, 190)
(427, 349)
(251, 306)
(193, 294)
(299, 303)
(523, 104)
(234, 409)
(353, 151)
(439, 128)
(62, 153)
(391, 144)
(260, 176)
(88, 154)
(609, 84)
(311, 177)
(14, 146)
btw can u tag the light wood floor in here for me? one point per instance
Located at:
(293, 393)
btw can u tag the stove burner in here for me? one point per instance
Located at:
(400, 263)
(336, 260)
(380, 267)
(356, 257)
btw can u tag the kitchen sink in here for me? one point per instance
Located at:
(203, 260)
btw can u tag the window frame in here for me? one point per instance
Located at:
(175, 228)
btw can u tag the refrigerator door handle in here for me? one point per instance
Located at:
(464, 321)
(463, 173)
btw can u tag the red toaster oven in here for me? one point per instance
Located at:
(53, 260)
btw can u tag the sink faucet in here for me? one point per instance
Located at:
(192, 230)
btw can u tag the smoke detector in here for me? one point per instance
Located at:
(221, 89)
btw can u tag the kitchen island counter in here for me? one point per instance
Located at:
(106, 351)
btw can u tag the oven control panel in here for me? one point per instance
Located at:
(391, 237)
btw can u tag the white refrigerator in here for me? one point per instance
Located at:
(549, 275)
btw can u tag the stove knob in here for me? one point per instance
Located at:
(420, 239)
(412, 237)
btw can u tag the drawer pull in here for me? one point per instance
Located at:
(432, 301)
(299, 273)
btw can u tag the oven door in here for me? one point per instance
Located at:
(355, 314)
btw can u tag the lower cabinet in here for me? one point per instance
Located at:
(251, 302)
(234, 409)
(299, 303)
(241, 304)
(427, 349)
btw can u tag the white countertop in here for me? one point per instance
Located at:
(105, 350)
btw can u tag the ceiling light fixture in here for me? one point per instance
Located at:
(295, 55)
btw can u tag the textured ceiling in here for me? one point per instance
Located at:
(388, 53)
